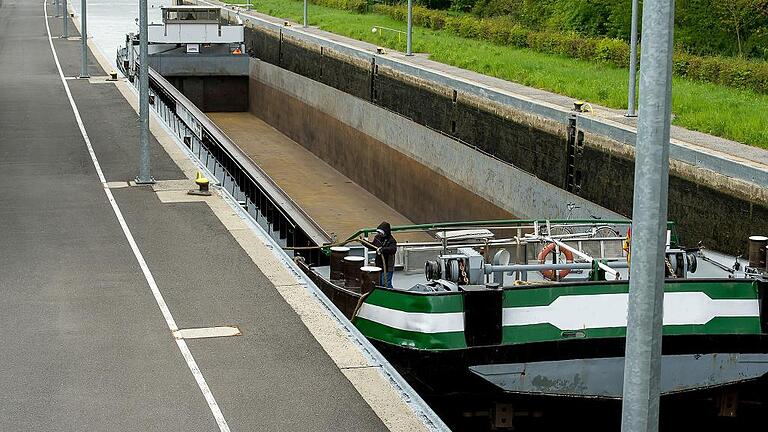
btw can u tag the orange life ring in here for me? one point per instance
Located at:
(550, 274)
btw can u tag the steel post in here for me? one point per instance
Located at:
(84, 34)
(58, 8)
(642, 367)
(64, 19)
(409, 33)
(632, 85)
(144, 176)
(306, 22)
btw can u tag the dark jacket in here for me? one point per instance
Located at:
(387, 247)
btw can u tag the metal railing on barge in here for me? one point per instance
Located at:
(282, 218)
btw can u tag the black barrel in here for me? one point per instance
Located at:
(337, 261)
(352, 266)
(757, 246)
(370, 276)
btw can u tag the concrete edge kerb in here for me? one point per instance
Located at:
(718, 162)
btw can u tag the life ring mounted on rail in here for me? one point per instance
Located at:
(550, 274)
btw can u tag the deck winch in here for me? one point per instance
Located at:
(463, 268)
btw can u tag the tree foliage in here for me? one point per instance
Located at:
(702, 27)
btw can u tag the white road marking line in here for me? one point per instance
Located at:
(215, 410)
(206, 332)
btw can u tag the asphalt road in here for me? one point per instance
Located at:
(83, 344)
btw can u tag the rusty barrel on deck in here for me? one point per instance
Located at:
(370, 276)
(352, 265)
(337, 261)
(757, 245)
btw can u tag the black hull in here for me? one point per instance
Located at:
(443, 379)
(468, 402)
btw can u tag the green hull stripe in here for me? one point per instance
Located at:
(541, 296)
(414, 302)
(434, 341)
(513, 335)
(517, 335)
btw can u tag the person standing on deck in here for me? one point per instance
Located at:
(386, 246)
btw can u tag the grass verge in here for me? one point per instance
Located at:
(739, 115)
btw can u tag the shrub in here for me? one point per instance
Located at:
(613, 51)
(359, 6)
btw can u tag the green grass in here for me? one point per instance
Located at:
(739, 115)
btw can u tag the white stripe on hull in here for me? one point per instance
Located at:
(578, 312)
(574, 312)
(413, 321)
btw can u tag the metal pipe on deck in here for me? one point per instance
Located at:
(144, 176)
(84, 34)
(490, 268)
(642, 366)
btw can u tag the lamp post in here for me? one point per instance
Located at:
(642, 358)
(409, 35)
(306, 23)
(632, 86)
(144, 176)
(84, 34)
(64, 19)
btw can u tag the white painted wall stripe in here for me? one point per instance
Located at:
(185, 352)
(578, 312)
(413, 321)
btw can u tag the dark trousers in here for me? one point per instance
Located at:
(386, 279)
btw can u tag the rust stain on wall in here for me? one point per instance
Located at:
(409, 187)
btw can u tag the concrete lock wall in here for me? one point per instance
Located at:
(513, 154)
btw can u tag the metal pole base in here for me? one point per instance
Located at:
(199, 192)
(149, 181)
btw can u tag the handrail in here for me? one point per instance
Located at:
(506, 223)
(281, 200)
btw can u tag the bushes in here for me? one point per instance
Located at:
(732, 72)
(359, 6)
(728, 71)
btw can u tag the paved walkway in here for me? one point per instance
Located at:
(85, 326)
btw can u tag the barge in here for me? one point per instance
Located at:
(198, 54)
(508, 323)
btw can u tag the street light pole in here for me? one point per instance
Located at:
(84, 34)
(65, 19)
(642, 361)
(144, 176)
(409, 34)
(306, 23)
(632, 86)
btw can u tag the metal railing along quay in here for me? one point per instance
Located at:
(233, 170)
